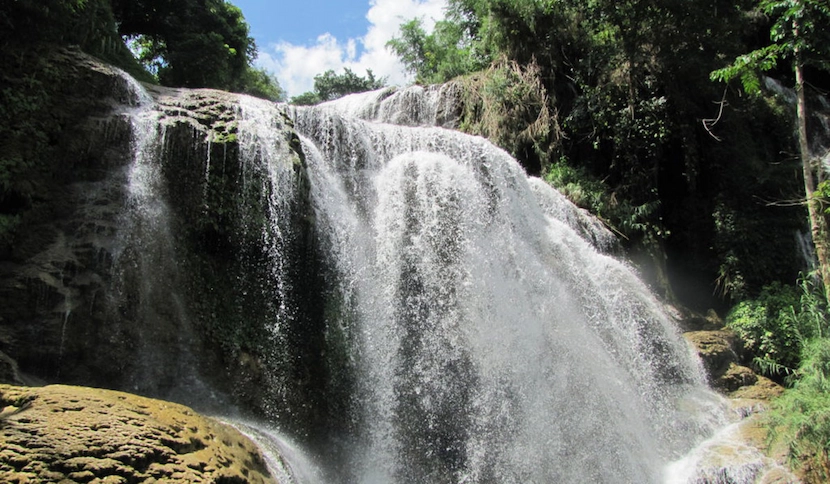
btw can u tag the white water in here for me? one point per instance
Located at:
(147, 297)
(412, 106)
(286, 461)
(726, 458)
(261, 151)
(490, 337)
(493, 341)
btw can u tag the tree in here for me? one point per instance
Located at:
(189, 43)
(448, 52)
(260, 83)
(799, 33)
(330, 85)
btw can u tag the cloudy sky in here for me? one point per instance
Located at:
(298, 39)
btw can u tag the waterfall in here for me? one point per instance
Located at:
(446, 319)
(490, 337)
(147, 303)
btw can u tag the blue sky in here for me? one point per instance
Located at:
(298, 39)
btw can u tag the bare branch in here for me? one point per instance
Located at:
(709, 123)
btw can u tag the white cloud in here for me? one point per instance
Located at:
(296, 65)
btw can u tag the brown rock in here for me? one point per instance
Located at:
(716, 349)
(9, 372)
(763, 389)
(735, 377)
(83, 434)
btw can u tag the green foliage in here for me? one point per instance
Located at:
(330, 85)
(580, 188)
(259, 83)
(776, 326)
(306, 99)
(799, 26)
(800, 418)
(625, 219)
(747, 66)
(437, 57)
(508, 104)
(189, 43)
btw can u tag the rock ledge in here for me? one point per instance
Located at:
(76, 434)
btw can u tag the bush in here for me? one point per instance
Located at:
(776, 325)
(508, 104)
(801, 417)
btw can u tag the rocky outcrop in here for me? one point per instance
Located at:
(739, 452)
(99, 290)
(75, 434)
(717, 350)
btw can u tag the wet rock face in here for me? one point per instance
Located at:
(62, 252)
(80, 302)
(716, 349)
(54, 433)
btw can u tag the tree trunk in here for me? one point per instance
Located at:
(818, 224)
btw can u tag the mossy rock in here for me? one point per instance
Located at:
(78, 434)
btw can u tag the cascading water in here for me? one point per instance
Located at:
(470, 325)
(489, 339)
(147, 274)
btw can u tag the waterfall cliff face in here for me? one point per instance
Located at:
(398, 297)
(489, 337)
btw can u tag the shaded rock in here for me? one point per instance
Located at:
(9, 372)
(79, 434)
(763, 389)
(95, 293)
(689, 320)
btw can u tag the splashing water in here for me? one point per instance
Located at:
(492, 340)
(476, 329)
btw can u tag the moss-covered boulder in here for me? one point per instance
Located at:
(717, 350)
(77, 434)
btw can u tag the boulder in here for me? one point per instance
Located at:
(77, 434)
(716, 349)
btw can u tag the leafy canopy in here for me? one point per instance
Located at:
(800, 26)
(330, 85)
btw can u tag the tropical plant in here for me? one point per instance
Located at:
(800, 418)
(777, 325)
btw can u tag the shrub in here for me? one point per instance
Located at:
(777, 324)
(801, 416)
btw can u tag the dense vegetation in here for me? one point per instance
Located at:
(190, 43)
(654, 115)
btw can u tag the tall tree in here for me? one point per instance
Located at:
(799, 33)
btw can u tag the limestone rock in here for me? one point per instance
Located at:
(77, 434)
(763, 389)
(735, 377)
(716, 349)
(96, 293)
